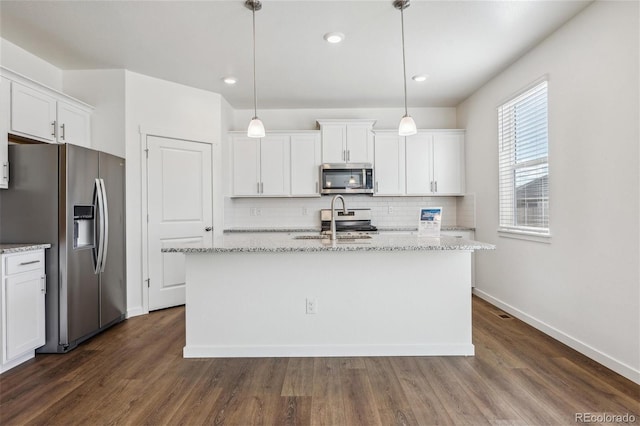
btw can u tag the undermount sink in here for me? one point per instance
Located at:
(346, 238)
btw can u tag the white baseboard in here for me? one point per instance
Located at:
(134, 312)
(619, 367)
(195, 351)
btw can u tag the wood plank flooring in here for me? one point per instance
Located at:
(134, 374)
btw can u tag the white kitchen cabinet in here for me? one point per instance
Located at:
(40, 113)
(261, 167)
(23, 306)
(5, 95)
(33, 113)
(305, 162)
(389, 163)
(74, 125)
(347, 141)
(435, 163)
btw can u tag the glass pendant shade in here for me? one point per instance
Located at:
(256, 128)
(407, 126)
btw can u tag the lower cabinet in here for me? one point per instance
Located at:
(22, 307)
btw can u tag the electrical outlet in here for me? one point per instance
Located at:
(390, 209)
(252, 211)
(312, 306)
(305, 211)
(258, 212)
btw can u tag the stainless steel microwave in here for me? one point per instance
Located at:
(346, 178)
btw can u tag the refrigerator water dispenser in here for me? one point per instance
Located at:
(83, 227)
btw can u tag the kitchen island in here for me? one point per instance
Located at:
(287, 294)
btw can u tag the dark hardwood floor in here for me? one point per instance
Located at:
(135, 374)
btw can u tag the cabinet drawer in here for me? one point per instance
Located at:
(24, 262)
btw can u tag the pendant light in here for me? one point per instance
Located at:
(407, 126)
(256, 128)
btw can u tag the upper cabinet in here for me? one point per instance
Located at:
(305, 161)
(260, 166)
(389, 167)
(282, 164)
(347, 141)
(428, 163)
(5, 95)
(40, 113)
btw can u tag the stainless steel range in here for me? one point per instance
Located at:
(355, 221)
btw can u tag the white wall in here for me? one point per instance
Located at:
(160, 106)
(386, 118)
(29, 65)
(583, 287)
(105, 91)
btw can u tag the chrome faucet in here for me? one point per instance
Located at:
(333, 214)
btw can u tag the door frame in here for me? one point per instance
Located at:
(216, 196)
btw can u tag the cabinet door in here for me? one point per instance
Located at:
(418, 164)
(73, 125)
(334, 143)
(24, 319)
(305, 162)
(448, 163)
(274, 165)
(5, 96)
(359, 143)
(33, 114)
(389, 164)
(246, 165)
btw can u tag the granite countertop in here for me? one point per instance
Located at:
(287, 242)
(17, 248)
(380, 229)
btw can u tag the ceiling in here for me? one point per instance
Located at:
(459, 44)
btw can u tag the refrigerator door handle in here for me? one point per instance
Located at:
(105, 235)
(100, 202)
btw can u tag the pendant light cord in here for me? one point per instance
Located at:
(255, 93)
(404, 65)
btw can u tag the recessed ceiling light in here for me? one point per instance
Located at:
(420, 77)
(230, 80)
(334, 37)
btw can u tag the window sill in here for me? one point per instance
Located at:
(525, 235)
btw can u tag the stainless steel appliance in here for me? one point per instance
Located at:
(73, 198)
(350, 178)
(355, 221)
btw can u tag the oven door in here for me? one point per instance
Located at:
(349, 179)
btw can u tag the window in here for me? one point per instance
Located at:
(523, 151)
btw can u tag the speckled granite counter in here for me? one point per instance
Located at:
(298, 242)
(17, 248)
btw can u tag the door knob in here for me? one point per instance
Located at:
(208, 228)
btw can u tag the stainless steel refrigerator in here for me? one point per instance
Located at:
(73, 198)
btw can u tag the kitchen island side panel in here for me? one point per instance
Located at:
(369, 303)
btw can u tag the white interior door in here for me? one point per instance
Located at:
(180, 212)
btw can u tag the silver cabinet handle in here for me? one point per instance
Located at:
(348, 155)
(208, 229)
(317, 185)
(53, 128)
(63, 132)
(431, 187)
(376, 186)
(29, 263)
(262, 187)
(258, 187)
(436, 186)
(5, 170)
(44, 284)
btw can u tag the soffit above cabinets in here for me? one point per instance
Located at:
(459, 44)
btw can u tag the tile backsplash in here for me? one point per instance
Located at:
(387, 212)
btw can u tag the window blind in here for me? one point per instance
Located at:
(523, 152)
